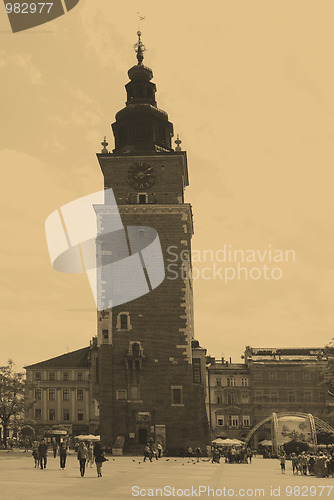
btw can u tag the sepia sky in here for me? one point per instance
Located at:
(249, 88)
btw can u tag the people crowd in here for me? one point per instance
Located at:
(319, 464)
(152, 450)
(232, 454)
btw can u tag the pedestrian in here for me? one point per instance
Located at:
(147, 452)
(160, 449)
(35, 454)
(282, 460)
(54, 447)
(249, 455)
(43, 453)
(90, 454)
(99, 458)
(82, 457)
(62, 454)
(198, 452)
(294, 462)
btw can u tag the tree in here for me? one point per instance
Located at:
(13, 399)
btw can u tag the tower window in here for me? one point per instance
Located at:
(177, 395)
(142, 199)
(197, 371)
(161, 134)
(105, 334)
(123, 321)
(141, 131)
(122, 135)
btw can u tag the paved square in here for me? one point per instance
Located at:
(129, 478)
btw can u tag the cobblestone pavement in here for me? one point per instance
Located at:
(129, 477)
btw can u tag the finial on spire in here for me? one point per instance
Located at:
(104, 144)
(178, 142)
(139, 46)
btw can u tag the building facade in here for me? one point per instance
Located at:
(270, 380)
(63, 394)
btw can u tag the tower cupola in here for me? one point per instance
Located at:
(141, 127)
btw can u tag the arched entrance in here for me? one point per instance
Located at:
(287, 426)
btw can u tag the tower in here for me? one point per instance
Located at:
(149, 386)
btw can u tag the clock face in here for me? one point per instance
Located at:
(141, 175)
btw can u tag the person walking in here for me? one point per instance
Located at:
(43, 453)
(54, 447)
(82, 457)
(62, 454)
(147, 452)
(198, 452)
(159, 447)
(90, 454)
(35, 454)
(99, 458)
(282, 461)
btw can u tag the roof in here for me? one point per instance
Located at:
(74, 359)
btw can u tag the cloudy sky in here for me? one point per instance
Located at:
(249, 88)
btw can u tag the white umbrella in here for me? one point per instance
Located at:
(266, 442)
(218, 441)
(87, 437)
(228, 442)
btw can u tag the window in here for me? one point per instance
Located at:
(80, 394)
(141, 130)
(80, 415)
(306, 376)
(66, 394)
(52, 394)
(258, 396)
(105, 335)
(124, 321)
(38, 394)
(218, 381)
(176, 395)
(232, 398)
(220, 420)
(273, 398)
(272, 376)
(245, 397)
(233, 420)
(38, 414)
(52, 414)
(66, 376)
(307, 396)
(66, 415)
(142, 199)
(246, 421)
(122, 135)
(162, 135)
(52, 376)
(38, 376)
(122, 394)
(97, 378)
(197, 371)
(79, 376)
(291, 397)
(244, 381)
(290, 376)
(231, 381)
(219, 399)
(134, 392)
(257, 375)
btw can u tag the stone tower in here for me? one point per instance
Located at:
(148, 385)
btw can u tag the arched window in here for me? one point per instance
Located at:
(161, 134)
(123, 321)
(135, 349)
(141, 131)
